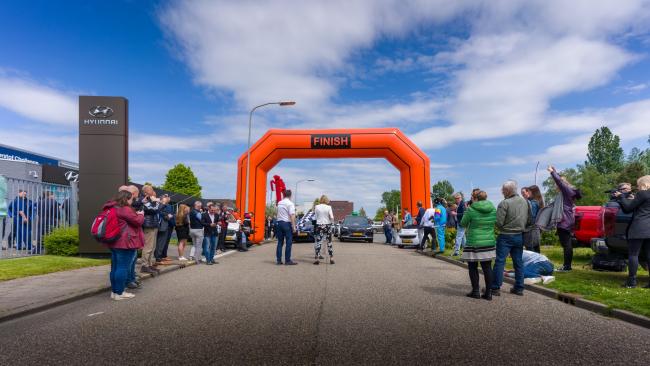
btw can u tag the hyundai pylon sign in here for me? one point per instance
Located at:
(103, 159)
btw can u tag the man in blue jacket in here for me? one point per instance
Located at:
(21, 209)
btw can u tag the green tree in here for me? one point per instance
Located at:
(444, 189)
(181, 179)
(391, 200)
(605, 153)
(632, 171)
(379, 214)
(362, 212)
(270, 210)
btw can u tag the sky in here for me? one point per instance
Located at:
(487, 88)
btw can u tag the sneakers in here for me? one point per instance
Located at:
(563, 269)
(630, 282)
(133, 285)
(547, 279)
(124, 296)
(532, 281)
(182, 258)
(456, 254)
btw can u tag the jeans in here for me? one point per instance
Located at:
(460, 239)
(209, 246)
(538, 269)
(285, 234)
(120, 267)
(512, 244)
(22, 235)
(130, 277)
(388, 233)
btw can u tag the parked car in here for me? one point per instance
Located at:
(407, 237)
(356, 228)
(232, 233)
(377, 226)
(604, 228)
(305, 233)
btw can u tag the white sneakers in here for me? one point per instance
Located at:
(547, 279)
(531, 281)
(182, 258)
(125, 295)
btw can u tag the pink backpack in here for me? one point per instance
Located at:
(106, 228)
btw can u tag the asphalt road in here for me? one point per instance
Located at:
(376, 305)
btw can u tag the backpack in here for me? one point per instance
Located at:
(106, 228)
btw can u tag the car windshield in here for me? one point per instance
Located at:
(355, 221)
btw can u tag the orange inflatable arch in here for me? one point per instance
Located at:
(388, 143)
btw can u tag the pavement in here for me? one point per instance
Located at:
(376, 305)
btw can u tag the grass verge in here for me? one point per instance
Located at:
(603, 287)
(37, 265)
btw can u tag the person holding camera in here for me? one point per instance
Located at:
(638, 233)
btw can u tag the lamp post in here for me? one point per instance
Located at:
(295, 197)
(248, 155)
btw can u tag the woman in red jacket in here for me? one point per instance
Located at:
(124, 249)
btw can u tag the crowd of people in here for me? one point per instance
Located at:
(147, 222)
(486, 235)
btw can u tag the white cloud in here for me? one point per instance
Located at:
(37, 102)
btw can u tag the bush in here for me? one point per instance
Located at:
(549, 238)
(63, 241)
(450, 235)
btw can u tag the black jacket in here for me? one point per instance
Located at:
(640, 207)
(206, 221)
(151, 217)
(195, 219)
(166, 223)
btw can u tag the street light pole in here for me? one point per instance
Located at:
(295, 197)
(248, 149)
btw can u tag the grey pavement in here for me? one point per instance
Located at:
(376, 305)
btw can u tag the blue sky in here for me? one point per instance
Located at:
(486, 88)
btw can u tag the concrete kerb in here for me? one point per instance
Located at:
(88, 292)
(567, 298)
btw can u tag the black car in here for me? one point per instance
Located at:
(305, 233)
(356, 228)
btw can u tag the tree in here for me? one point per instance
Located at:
(632, 171)
(379, 215)
(181, 179)
(605, 153)
(271, 210)
(362, 212)
(391, 200)
(443, 189)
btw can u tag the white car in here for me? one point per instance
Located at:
(407, 237)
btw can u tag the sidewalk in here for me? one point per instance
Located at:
(28, 295)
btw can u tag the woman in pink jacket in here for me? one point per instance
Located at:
(124, 249)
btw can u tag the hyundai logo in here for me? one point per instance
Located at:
(72, 176)
(101, 111)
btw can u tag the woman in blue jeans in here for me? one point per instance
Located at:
(124, 250)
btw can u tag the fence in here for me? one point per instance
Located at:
(34, 209)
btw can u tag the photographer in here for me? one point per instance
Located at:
(638, 233)
(625, 190)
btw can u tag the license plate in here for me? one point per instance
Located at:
(407, 241)
(302, 234)
(230, 238)
(357, 234)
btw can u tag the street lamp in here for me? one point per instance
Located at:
(295, 197)
(248, 155)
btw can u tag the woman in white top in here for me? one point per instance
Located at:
(323, 229)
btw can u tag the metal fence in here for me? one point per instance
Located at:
(34, 209)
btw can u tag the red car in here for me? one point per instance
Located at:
(604, 228)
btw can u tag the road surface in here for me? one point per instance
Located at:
(376, 305)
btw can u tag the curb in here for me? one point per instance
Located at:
(567, 298)
(88, 293)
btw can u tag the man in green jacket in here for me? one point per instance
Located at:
(513, 215)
